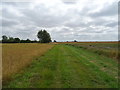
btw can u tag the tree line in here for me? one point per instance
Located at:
(6, 39)
(43, 36)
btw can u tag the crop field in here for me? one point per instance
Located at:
(61, 65)
(17, 56)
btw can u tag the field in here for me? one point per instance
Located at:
(17, 56)
(59, 66)
(106, 49)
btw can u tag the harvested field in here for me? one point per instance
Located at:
(67, 66)
(17, 56)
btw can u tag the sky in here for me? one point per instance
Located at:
(65, 20)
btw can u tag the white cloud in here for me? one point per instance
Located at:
(80, 20)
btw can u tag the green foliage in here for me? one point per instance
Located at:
(28, 41)
(5, 39)
(54, 41)
(11, 39)
(44, 36)
(75, 41)
(17, 40)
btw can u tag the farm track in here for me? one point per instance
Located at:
(68, 67)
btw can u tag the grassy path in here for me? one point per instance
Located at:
(68, 67)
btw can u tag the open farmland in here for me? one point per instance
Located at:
(60, 44)
(109, 49)
(67, 66)
(16, 56)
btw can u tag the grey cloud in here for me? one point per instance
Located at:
(69, 1)
(9, 23)
(28, 21)
(89, 30)
(112, 24)
(108, 10)
(8, 14)
(41, 16)
(21, 32)
(76, 24)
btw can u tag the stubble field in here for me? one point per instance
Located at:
(16, 56)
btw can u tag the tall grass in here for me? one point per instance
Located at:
(17, 56)
(106, 49)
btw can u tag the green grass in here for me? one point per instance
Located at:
(68, 67)
(106, 49)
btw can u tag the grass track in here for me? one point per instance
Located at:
(68, 67)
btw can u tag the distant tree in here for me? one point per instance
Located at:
(54, 41)
(16, 40)
(4, 39)
(44, 36)
(11, 40)
(75, 41)
(34, 41)
(22, 41)
(28, 41)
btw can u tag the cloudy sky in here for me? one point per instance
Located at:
(81, 20)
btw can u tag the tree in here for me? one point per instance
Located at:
(34, 41)
(44, 36)
(11, 40)
(54, 41)
(28, 41)
(75, 41)
(22, 41)
(16, 40)
(4, 39)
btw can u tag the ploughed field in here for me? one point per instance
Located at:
(62, 66)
